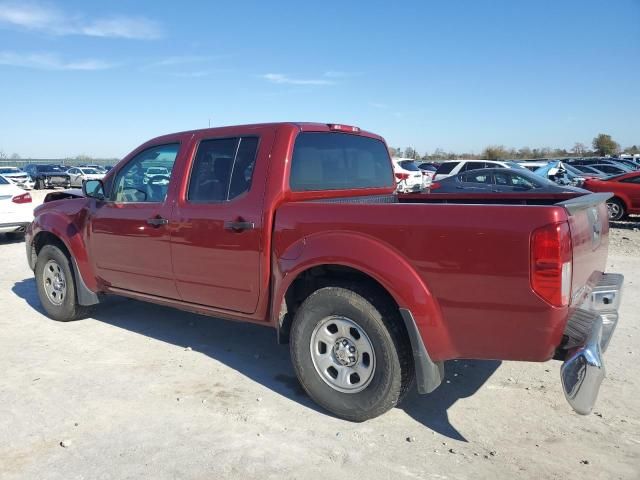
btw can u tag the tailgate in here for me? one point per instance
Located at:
(589, 225)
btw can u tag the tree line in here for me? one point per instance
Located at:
(602, 145)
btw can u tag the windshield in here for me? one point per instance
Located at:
(9, 170)
(90, 171)
(50, 168)
(409, 165)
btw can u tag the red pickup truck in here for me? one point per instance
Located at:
(296, 226)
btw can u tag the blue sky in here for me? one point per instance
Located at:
(99, 78)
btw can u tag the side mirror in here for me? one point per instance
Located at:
(93, 189)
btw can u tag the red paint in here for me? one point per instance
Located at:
(463, 270)
(622, 187)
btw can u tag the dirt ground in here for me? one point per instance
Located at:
(142, 391)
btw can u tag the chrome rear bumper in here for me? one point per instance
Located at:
(589, 330)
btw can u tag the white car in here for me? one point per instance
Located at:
(157, 171)
(409, 178)
(16, 209)
(17, 176)
(78, 174)
(453, 167)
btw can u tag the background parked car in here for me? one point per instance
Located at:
(499, 180)
(79, 174)
(609, 169)
(17, 176)
(561, 173)
(16, 211)
(156, 172)
(532, 166)
(453, 167)
(48, 176)
(100, 168)
(409, 178)
(626, 191)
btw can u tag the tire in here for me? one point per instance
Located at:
(373, 327)
(56, 285)
(616, 209)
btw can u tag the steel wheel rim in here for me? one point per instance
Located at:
(342, 354)
(54, 282)
(614, 210)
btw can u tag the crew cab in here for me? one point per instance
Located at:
(296, 226)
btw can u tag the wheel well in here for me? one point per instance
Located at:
(318, 277)
(47, 238)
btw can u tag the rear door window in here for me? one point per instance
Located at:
(409, 165)
(339, 161)
(472, 166)
(222, 169)
(473, 177)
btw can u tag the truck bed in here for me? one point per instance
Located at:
(473, 258)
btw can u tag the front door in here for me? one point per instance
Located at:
(129, 233)
(216, 244)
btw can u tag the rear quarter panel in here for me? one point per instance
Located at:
(463, 270)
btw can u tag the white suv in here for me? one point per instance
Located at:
(409, 178)
(453, 167)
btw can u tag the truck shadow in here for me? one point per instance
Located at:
(252, 351)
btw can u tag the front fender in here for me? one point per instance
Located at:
(376, 259)
(65, 219)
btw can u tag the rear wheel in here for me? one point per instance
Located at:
(56, 285)
(350, 352)
(616, 209)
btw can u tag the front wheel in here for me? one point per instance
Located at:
(615, 209)
(56, 285)
(350, 352)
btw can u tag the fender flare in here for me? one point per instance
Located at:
(380, 261)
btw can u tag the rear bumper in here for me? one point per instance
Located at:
(589, 330)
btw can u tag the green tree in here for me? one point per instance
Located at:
(604, 145)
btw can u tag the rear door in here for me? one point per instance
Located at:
(217, 241)
(129, 233)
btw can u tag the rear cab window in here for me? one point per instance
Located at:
(339, 161)
(409, 165)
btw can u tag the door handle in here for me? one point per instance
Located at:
(157, 221)
(239, 225)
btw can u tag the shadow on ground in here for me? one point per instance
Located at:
(629, 223)
(252, 351)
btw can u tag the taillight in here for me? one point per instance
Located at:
(402, 176)
(551, 263)
(434, 186)
(23, 198)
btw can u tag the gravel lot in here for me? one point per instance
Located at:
(142, 391)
